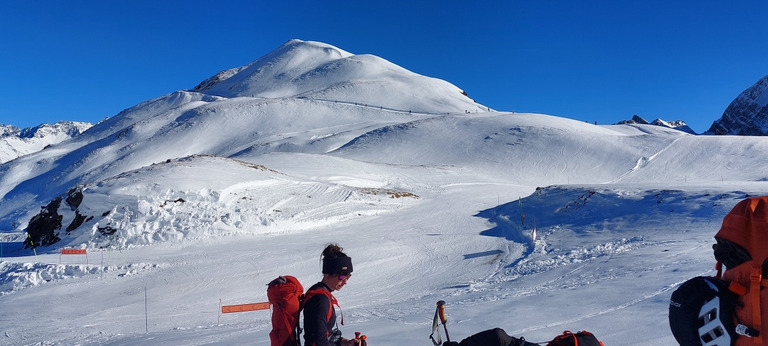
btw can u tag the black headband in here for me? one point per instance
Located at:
(338, 265)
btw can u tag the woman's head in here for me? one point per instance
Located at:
(337, 267)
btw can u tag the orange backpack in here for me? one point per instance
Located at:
(285, 293)
(286, 296)
(742, 246)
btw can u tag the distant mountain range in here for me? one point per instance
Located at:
(677, 125)
(15, 142)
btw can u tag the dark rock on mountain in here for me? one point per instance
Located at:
(747, 115)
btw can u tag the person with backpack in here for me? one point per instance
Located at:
(730, 308)
(491, 337)
(320, 327)
(498, 337)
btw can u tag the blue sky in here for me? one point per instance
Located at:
(598, 60)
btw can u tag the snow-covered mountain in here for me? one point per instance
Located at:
(677, 124)
(319, 71)
(15, 142)
(200, 197)
(747, 115)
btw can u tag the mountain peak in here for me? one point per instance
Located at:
(291, 58)
(315, 70)
(747, 115)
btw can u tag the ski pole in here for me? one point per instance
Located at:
(436, 329)
(441, 310)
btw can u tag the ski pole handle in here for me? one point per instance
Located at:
(441, 311)
(362, 339)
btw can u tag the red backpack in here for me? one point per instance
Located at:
(742, 246)
(286, 296)
(582, 338)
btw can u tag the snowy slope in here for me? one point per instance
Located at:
(202, 197)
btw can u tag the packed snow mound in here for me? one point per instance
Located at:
(18, 276)
(321, 71)
(176, 200)
(15, 142)
(747, 115)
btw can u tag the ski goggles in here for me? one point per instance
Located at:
(344, 276)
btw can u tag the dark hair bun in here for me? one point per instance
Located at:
(333, 251)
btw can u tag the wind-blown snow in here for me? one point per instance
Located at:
(201, 197)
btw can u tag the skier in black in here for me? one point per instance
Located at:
(319, 315)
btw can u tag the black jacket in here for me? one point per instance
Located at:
(316, 328)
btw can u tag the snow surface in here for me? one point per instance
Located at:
(213, 195)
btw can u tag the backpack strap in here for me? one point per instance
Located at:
(755, 280)
(297, 330)
(719, 268)
(333, 301)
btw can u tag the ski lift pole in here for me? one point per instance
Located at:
(441, 311)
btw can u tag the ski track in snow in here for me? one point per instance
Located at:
(643, 161)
